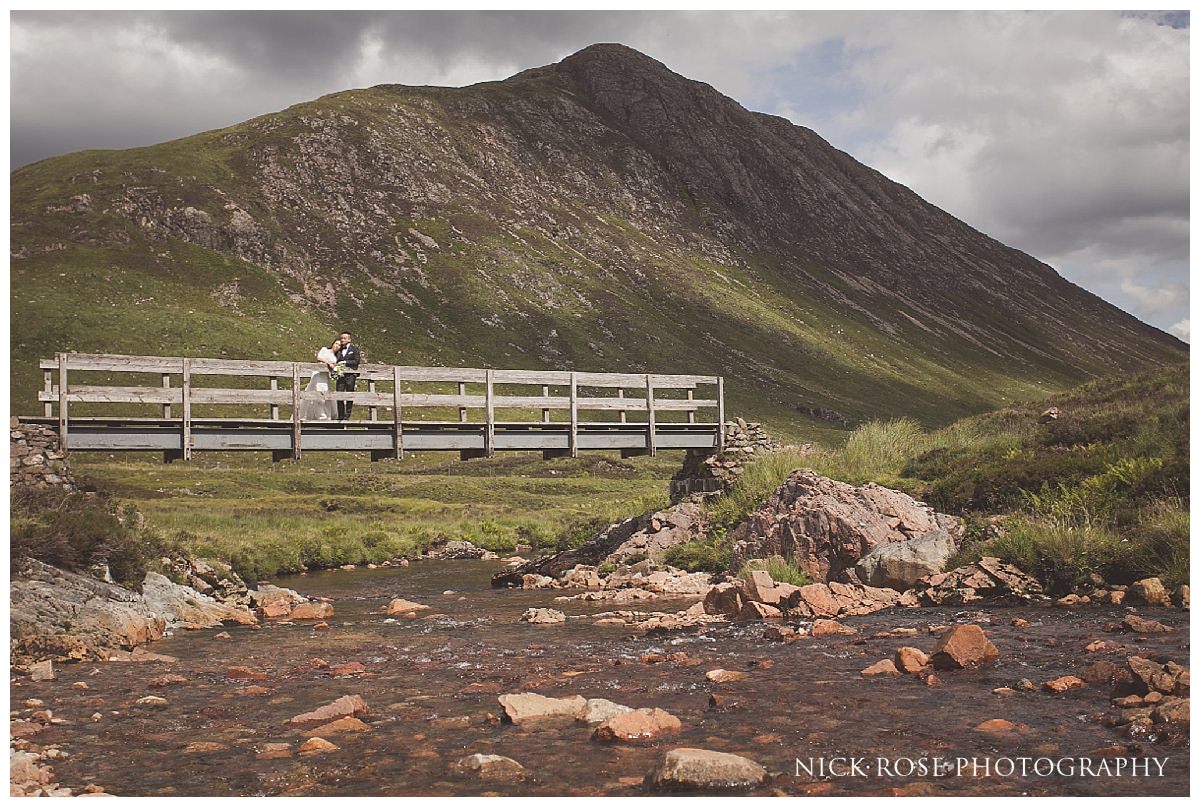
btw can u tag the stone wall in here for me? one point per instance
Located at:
(36, 459)
(706, 472)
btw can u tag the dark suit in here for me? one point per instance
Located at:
(351, 356)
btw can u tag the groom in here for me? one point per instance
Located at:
(349, 354)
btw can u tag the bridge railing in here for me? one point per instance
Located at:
(184, 392)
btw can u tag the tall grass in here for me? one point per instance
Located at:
(781, 570)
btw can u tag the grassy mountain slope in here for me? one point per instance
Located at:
(603, 213)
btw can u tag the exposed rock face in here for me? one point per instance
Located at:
(827, 526)
(54, 612)
(901, 564)
(647, 535)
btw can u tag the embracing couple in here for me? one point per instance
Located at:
(341, 359)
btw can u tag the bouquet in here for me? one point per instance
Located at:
(338, 370)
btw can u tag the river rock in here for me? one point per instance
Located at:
(345, 706)
(401, 606)
(720, 676)
(312, 610)
(638, 725)
(886, 667)
(273, 602)
(524, 706)
(1064, 683)
(987, 578)
(598, 710)
(543, 616)
(1132, 623)
(827, 526)
(910, 659)
(316, 745)
(963, 646)
(1182, 597)
(490, 766)
(1151, 591)
(829, 627)
(757, 610)
(901, 564)
(724, 599)
(696, 768)
(456, 550)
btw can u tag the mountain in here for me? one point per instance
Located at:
(601, 213)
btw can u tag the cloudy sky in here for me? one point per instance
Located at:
(1062, 134)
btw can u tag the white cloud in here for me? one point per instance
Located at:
(1182, 329)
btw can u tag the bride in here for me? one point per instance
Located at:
(319, 382)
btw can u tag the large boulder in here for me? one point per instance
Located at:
(827, 526)
(900, 565)
(648, 535)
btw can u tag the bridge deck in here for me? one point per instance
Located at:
(665, 418)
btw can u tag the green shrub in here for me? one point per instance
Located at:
(83, 533)
(1059, 555)
(780, 569)
(1161, 544)
(712, 555)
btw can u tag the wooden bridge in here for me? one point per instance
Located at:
(108, 402)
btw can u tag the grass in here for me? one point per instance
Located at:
(332, 510)
(781, 570)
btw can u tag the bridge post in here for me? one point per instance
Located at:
(166, 382)
(489, 432)
(399, 445)
(721, 414)
(573, 437)
(274, 406)
(691, 397)
(462, 410)
(48, 385)
(62, 400)
(545, 394)
(187, 409)
(295, 410)
(374, 410)
(621, 394)
(650, 436)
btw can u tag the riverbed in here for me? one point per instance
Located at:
(432, 684)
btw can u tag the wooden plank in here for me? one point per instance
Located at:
(489, 439)
(295, 410)
(545, 412)
(462, 410)
(573, 444)
(396, 407)
(48, 388)
(86, 393)
(374, 410)
(209, 395)
(650, 436)
(530, 402)
(187, 409)
(721, 414)
(558, 377)
(166, 408)
(274, 406)
(62, 402)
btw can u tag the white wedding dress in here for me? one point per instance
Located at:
(319, 382)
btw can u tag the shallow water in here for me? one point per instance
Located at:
(432, 682)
